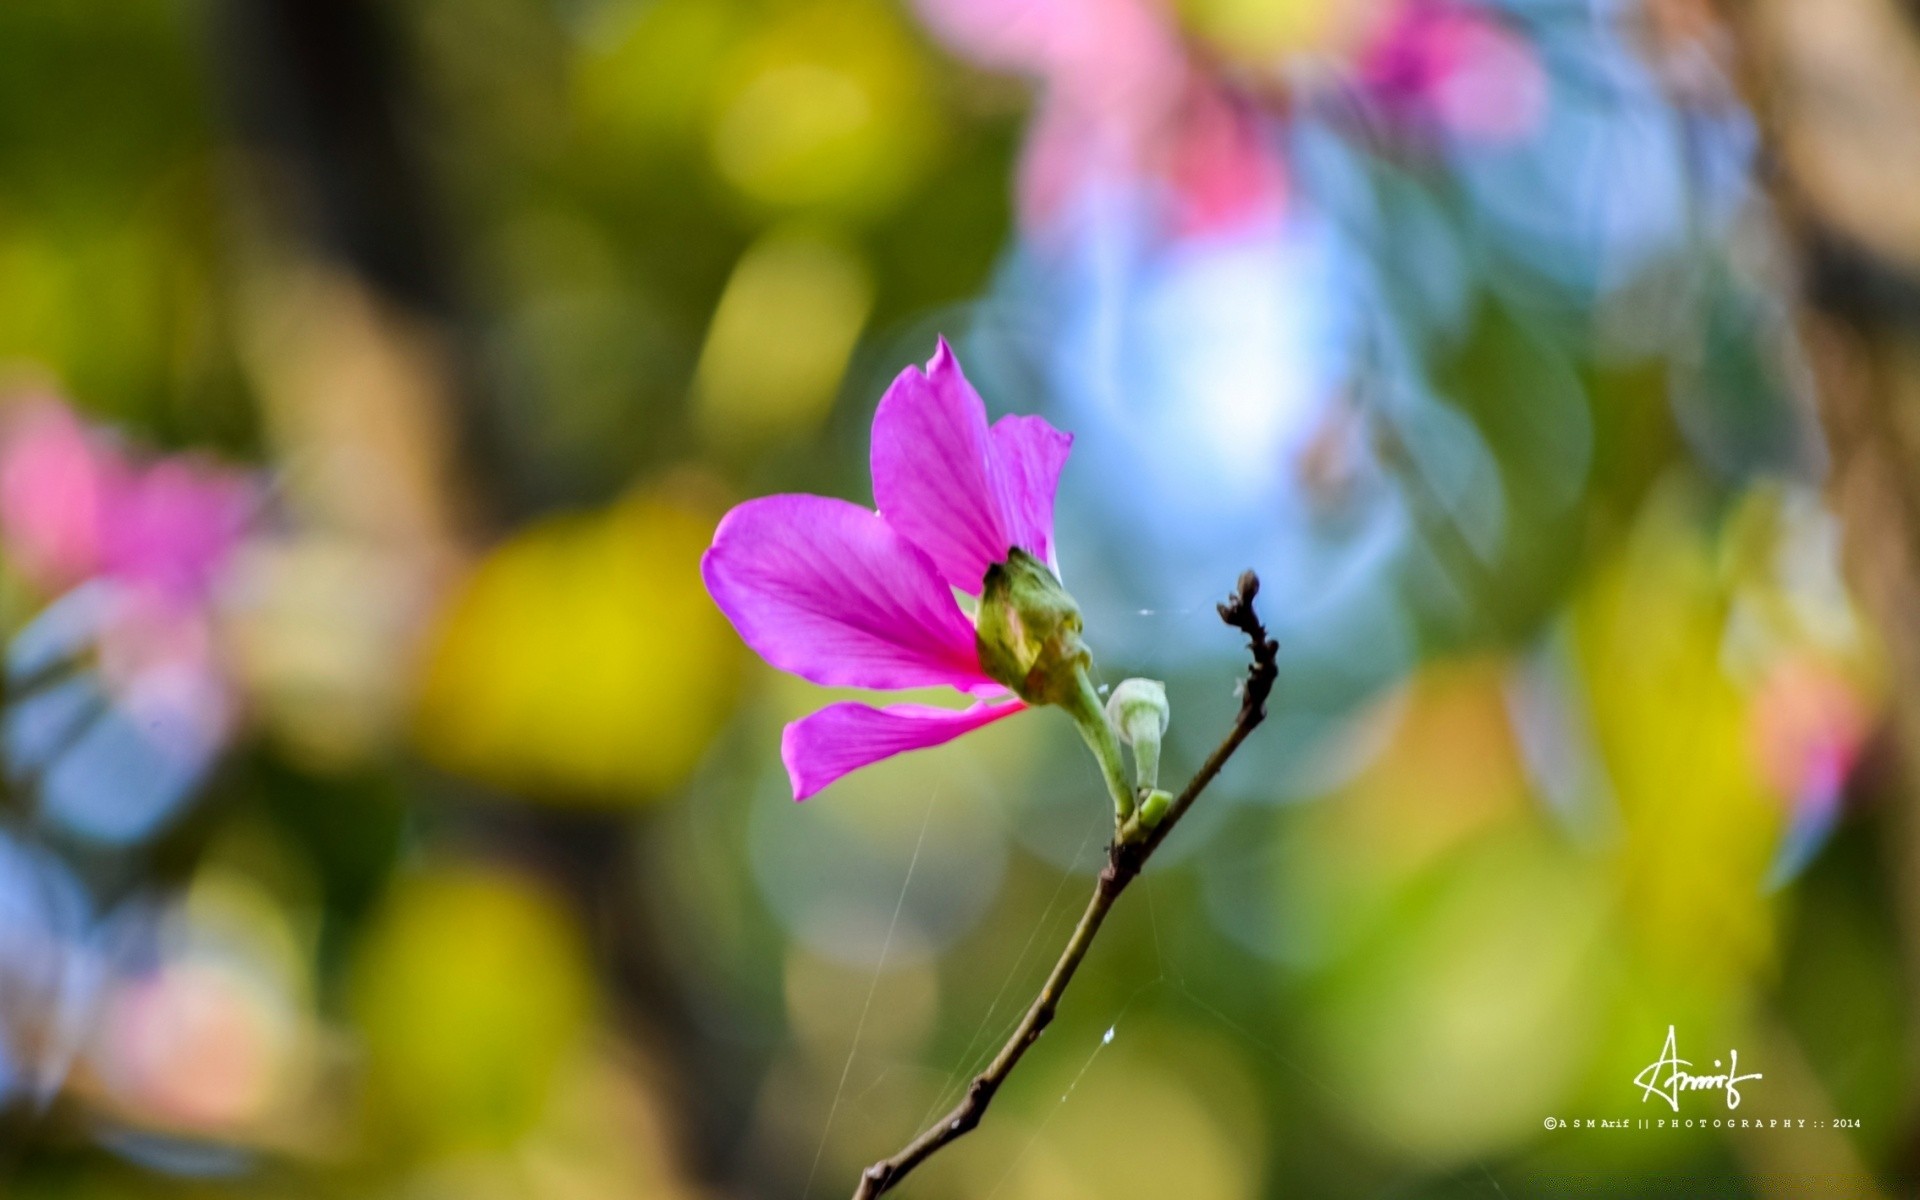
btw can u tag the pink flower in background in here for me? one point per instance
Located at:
(1810, 725)
(55, 479)
(1123, 102)
(151, 537)
(1459, 69)
(843, 596)
(172, 528)
(125, 657)
(1127, 101)
(73, 506)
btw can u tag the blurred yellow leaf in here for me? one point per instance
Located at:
(582, 661)
(471, 991)
(780, 339)
(1448, 775)
(1699, 826)
(824, 107)
(1469, 1014)
(651, 83)
(1257, 29)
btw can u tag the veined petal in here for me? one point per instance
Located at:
(832, 593)
(840, 738)
(1027, 455)
(933, 476)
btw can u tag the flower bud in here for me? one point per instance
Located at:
(1028, 632)
(1138, 712)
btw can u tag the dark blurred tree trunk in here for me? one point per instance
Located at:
(322, 107)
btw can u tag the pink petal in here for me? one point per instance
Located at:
(829, 591)
(173, 527)
(1004, 34)
(964, 494)
(932, 472)
(1103, 47)
(55, 478)
(1028, 454)
(1224, 171)
(845, 737)
(1496, 90)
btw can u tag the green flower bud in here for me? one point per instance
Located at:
(1028, 632)
(1139, 714)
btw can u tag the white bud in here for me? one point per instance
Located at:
(1138, 707)
(1138, 712)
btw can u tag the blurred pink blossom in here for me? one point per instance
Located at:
(74, 506)
(55, 481)
(132, 556)
(1457, 68)
(1809, 725)
(1126, 100)
(171, 528)
(194, 1045)
(1123, 101)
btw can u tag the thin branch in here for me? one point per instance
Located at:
(1125, 858)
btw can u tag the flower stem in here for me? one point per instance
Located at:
(1090, 717)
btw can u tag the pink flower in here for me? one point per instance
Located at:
(55, 479)
(73, 506)
(1809, 726)
(847, 597)
(1458, 68)
(136, 550)
(174, 526)
(1123, 103)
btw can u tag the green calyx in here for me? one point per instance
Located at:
(1027, 633)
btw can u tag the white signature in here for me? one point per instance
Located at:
(1651, 1083)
